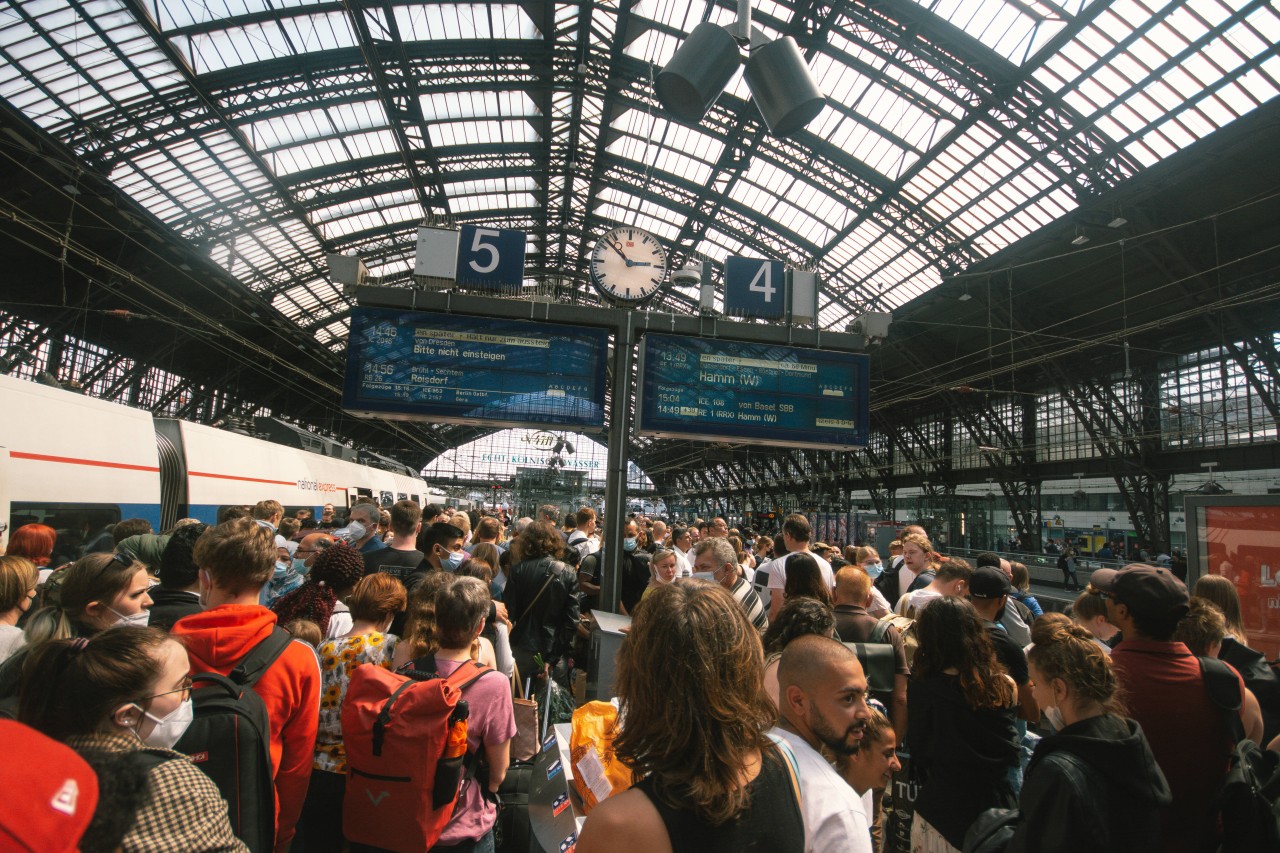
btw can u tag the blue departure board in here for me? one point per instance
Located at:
(717, 390)
(448, 368)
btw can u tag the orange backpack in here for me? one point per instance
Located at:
(405, 735)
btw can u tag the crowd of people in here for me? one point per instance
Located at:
(774, 692)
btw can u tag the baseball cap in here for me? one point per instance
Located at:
(989, 582)
(50, 792)
(1146, 590)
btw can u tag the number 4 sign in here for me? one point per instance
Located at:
(754, 287)
(491, 258)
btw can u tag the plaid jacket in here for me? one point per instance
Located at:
(184, 811)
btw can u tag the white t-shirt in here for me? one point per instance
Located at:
(684, 569)
(11, 640)
(339, 621)
(777, 569)
(878, 602)
(834, 818)
(916, 601)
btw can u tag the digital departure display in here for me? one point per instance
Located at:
(717, 390)
(449, 368)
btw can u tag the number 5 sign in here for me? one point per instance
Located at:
(754, 287)
(491, 258)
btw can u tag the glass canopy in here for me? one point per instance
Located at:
(267, 133)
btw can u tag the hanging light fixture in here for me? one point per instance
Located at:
(779, 79)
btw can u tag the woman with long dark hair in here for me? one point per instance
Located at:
(961, 706)
(696, 732)
(1094, 787)
(804, 578)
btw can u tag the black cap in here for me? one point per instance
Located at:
(989, 582)
(1146, 590)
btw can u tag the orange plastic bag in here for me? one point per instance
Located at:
(597, 772)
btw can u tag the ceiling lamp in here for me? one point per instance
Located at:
(776, 74)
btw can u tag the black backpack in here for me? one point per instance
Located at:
(230, 740)
(1249, 801)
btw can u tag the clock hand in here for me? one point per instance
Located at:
(639, 263)
(618, 248)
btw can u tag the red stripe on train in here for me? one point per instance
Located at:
(68, 460)
(244, 479)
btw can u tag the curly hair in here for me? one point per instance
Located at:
(799, 616)
(1203, 626)
(540, 539)
(1067, 651)
(951, 635)
(804, 578)
(693, 722)
(336, 570)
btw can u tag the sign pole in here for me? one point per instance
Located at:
(615, 485)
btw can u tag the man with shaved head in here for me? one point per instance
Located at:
(822, 698)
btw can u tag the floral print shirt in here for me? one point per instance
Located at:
(338, 657)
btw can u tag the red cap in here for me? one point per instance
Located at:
(50, 792)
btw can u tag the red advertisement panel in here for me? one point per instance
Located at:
(1243, 544)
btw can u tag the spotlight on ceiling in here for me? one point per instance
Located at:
(1080, 239)
(1118, 222)
(689, 84)
(780, 82)
(782, 86)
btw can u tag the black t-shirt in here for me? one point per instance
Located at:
(1009, 653)
(394, 562)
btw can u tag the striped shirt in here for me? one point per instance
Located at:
(746, 595)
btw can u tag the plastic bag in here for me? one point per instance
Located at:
(597, 771)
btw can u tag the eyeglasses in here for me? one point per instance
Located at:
(186, 687)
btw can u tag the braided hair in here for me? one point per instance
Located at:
(336, 570)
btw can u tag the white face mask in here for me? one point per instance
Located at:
(168, 730)
(138, 620)
(1054, 716)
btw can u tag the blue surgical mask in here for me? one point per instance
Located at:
(454, 561)
(282, 568)
(874, 570)
(629, 544)
(300, 565)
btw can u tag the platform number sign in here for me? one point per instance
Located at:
(754, 287)
(491, 258)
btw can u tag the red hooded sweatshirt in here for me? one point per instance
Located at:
(216, 640)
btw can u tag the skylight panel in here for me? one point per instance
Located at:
(449, 106)
(448, 134)
(496, 203)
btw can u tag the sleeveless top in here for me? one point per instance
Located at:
(771, 822)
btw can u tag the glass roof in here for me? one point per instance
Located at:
(268, 133)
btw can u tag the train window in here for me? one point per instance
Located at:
(74, 522)
(386, 499)
(415, 499)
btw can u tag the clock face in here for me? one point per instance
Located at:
(628, 264)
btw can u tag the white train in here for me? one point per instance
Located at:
(67, 460)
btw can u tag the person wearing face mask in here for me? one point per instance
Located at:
(441, 545)
(1095, 785)
(541, 598)
(869, 559)
(374, 602)
(102, 591)
(127, 691)
(335, 573)
(662, 570)
(635, 568)
(18, 577)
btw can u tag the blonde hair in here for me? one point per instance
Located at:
(1222, 592)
